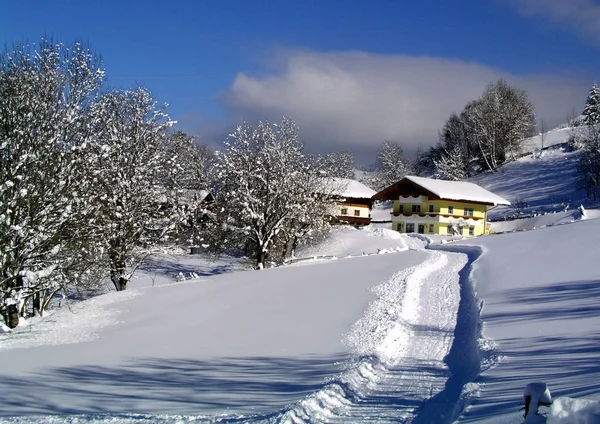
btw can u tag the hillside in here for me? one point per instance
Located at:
(375, 326)
(538, 182)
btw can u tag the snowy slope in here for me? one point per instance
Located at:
(388, 337)
(551, 138)
(239, 343)
(539, 291)
(536, 186)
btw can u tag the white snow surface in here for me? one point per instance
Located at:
(380, 328)
(539, 290)
(458, 190)
(550, 139)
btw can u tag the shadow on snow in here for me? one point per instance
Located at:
(182, 386)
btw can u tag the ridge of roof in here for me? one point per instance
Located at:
(456, 190)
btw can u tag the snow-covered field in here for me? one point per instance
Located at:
(374, 326)
(540, 307)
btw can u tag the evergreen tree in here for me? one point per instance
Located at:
(588, 176)
(591, 112)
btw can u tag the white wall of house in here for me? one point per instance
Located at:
(352, 210)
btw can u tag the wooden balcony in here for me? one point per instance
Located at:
(435, 214)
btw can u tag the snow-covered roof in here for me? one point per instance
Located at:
(455, 190)
(349, 188)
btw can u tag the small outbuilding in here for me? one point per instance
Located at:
(354, 201)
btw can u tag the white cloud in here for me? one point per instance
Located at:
(582, 16)
(353, 101)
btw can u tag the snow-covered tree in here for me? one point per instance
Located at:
(266, 190)
(588, 175)
(131, 209)
(190, 162)
(498, 121)
(587, 137)
(486, 133)
(337, 165)
(451, 165)
(591, 112)
(391, 164)
(188, 180)
(456, 153)
(46, 92)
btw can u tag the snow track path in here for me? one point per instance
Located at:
(402, 342)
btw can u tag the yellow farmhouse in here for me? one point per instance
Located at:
(429, 206)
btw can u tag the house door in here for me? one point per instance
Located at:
(421, 228)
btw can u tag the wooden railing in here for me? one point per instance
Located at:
(435, 214)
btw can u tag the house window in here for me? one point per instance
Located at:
(430, 208)
(451, 209)
(416, 209)
(401, 208)
(356, 212)
(421, 228)
(344, 211)
(431, 228)
(410, 228)
(449, 229)
(468, 211)
(400, 227)
(471, 231)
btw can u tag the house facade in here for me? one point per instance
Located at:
(438, 207)
(353, 201)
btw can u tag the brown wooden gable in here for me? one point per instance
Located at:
(404, 187)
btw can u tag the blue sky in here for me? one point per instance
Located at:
(351, 73)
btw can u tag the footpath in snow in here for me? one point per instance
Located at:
(400, 345)
(358, 339)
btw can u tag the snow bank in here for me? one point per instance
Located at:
(535, 222)
(566, 410)
(539, 291)
(350, 241)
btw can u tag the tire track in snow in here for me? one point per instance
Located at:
(400, 343)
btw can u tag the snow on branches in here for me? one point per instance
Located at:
(83, 176)
(45, 95)
(266, 191)
(130, 212)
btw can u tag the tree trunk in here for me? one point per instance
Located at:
(260, 258)
(11, 316)
(294, 246)
(119, 281)
(118, 265)
(37, 304)
(484, 156)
